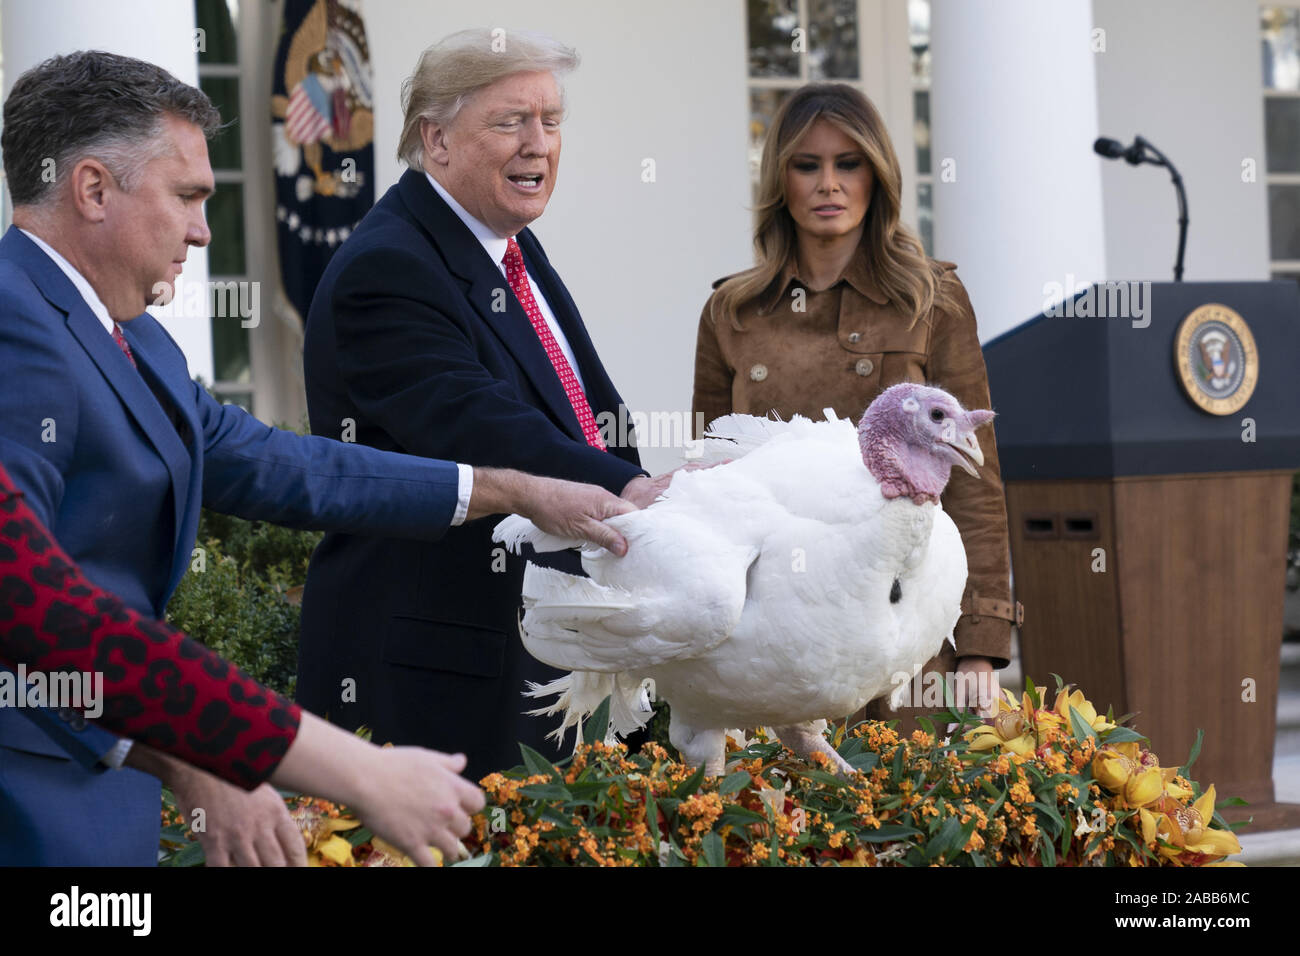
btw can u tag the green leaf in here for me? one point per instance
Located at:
(997, 804)
(652, 817)
(927, 725)
(535, 762)
(691, 784)
(1051, 813)
(1186, 769)
(1081, 728)
(1048, 854)
(887, 833)
(1032, 691)
(714, 853)
(190, 855)
(1059, 683)
(358, 836)
(828, 779)
(851, 747)
(597, 724)
(546, 791)
(736, 815)
(942, 842)
(1121, 735)
(735, 782)
(864, 761)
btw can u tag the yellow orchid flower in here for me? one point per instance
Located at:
(1119, 768)
(1009, 729)
(1188, 832)
(1065, 699)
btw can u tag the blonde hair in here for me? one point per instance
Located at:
(453, 69)
(898, 263)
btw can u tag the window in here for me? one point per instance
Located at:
(219, 77)
(1280, 55)
(918, 29)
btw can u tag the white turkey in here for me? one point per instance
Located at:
(811, 572)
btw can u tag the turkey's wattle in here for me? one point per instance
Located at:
(814, 571)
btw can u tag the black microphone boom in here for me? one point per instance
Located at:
(1143, 152)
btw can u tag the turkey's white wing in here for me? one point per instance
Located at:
(679, 591)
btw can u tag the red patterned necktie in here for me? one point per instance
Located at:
(517, 276)
(120, 339)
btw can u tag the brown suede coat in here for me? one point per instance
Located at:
(844, 349)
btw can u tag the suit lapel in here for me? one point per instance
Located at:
(486, 287)
(130, 387)
(139, 401)
(150, 345)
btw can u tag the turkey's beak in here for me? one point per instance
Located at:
(967, 447)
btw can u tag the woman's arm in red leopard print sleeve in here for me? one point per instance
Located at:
(159, 686)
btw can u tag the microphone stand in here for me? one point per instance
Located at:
(1135, 155)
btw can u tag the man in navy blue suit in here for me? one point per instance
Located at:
(116, 449)
(441, 329)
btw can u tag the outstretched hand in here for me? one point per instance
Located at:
(571, 510)
(416, 798)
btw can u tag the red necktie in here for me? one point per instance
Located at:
(120, 339)
(517, 276)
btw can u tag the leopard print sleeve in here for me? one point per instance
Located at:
(159, 687)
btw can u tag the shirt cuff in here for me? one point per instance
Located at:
(117, 755)
(464, 488)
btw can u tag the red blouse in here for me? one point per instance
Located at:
(159, 687)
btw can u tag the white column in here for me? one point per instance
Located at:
(159, 31)
(1017, 187)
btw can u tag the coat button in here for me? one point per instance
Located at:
(864, 367)
(758, 372)
(855, 338)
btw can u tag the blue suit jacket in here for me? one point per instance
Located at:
(119, 479)
(416, 338)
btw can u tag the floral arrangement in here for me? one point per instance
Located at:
(1031, 786)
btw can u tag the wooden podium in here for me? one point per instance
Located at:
(1148, 519)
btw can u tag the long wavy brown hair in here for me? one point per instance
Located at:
(899, 265)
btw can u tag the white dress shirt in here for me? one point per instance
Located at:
(495, 247)
(88, 293)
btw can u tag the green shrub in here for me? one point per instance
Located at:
(240, 604)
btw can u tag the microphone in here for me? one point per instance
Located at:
(1110, 148)
(1143, 152)
(1135, 154)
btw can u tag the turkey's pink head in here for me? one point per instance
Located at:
(912, 435)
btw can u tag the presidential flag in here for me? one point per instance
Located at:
(322, 134)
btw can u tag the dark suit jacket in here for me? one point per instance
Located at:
(415, 340)
(116, 463)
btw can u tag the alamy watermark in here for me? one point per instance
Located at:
(658, 429)
(76, 690)
(1115, 299)
(927, 688)
(212, 299)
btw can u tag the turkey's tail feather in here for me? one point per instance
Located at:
(581, 692)
(733, 436)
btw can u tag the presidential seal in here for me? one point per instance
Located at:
(1216, 359)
